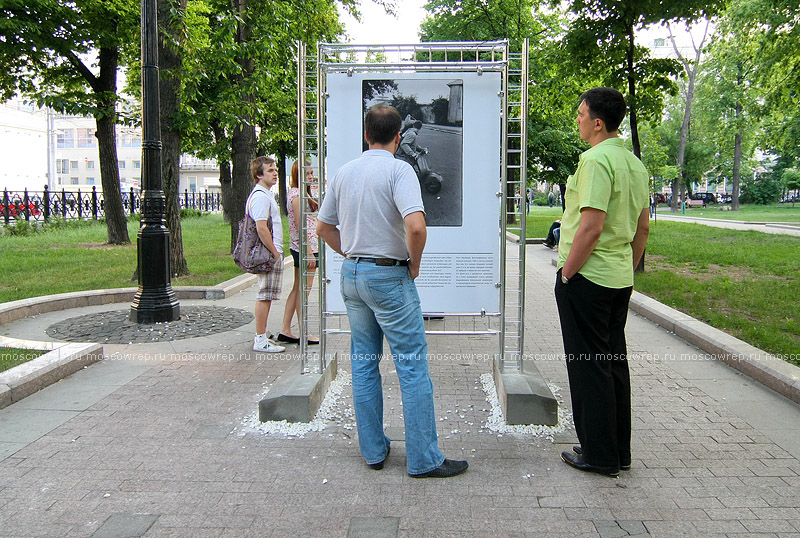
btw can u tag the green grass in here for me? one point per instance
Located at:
(539, 220)
(745, 283)
(748, 213)
(11, 356)
(77, 258)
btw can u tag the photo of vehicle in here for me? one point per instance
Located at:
(431, 138)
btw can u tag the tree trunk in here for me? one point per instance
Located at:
(243, 141)
(691, 74)
(637, 149)
(224, 170)
(244, 149)
(737, 163)
(169, 61)
(282, 184)
(116, 223)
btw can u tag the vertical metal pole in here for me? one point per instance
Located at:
(503, 195)
(322, 94)
(301, 182)
(524, 192)
(155, 301)
(46, 203)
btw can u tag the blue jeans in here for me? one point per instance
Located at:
(383, 301)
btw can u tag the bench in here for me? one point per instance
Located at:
(696, 203)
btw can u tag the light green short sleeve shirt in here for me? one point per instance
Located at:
(612, 179)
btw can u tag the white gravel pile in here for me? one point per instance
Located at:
(497, 422)
(334, 409)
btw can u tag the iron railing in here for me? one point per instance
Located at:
(41, 206)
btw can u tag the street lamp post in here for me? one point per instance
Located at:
(155, 301)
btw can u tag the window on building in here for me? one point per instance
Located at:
(90, 181)
(73, 165)
(65, 138)
(137, 164)
(659, 42)
(193, 184)
(121, 165)
(90, 165)
(73, 181)
(62, 166)
(131, 141)
(86, 138)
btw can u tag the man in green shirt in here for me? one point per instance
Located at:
(603, 235)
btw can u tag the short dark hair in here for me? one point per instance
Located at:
(257, 165)
(382, 124)
(608, 104)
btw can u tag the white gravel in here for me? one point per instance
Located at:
(333, 410)
(497, 422)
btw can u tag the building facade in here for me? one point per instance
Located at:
(39, 147)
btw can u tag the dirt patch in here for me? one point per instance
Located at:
(95, 246)
(707, 274)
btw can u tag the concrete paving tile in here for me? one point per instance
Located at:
(769, 525)
(187, 532)
(26, 425)
(8, 449)
(788, 513)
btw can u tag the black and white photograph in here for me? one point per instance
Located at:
(431, 140)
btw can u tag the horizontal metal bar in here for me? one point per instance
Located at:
(453, 46)
(413, 66)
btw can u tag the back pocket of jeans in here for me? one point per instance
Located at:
(387, 292)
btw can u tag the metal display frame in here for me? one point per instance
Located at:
(477, 57)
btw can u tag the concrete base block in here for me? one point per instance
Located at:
(525, 398)
(296, 397)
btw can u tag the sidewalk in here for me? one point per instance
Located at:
(786, 228)
(153, 442)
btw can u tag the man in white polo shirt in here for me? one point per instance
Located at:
(376, 203)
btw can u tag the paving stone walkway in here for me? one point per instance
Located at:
(154, 442)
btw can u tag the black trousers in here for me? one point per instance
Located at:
(593, 321)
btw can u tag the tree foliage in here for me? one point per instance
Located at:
(601, 39)
(553, 141)
(65, 55)
(240, 87)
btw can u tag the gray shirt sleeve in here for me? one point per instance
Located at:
(407, 194)
(327, 211)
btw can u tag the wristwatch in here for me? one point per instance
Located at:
(564, 280)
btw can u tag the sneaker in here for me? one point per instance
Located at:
(266, 346)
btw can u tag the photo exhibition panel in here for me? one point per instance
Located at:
(452, 138)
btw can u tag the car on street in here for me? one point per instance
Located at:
(706, 197)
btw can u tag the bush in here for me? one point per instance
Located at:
(540, 198)
(189, 213)
(761, 191)
(22, 228)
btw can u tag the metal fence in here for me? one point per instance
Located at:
(41, 206)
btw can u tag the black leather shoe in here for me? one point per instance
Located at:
(576, 461)
(288, 339)
(623, 466)
(378, 466)
(447, 469)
